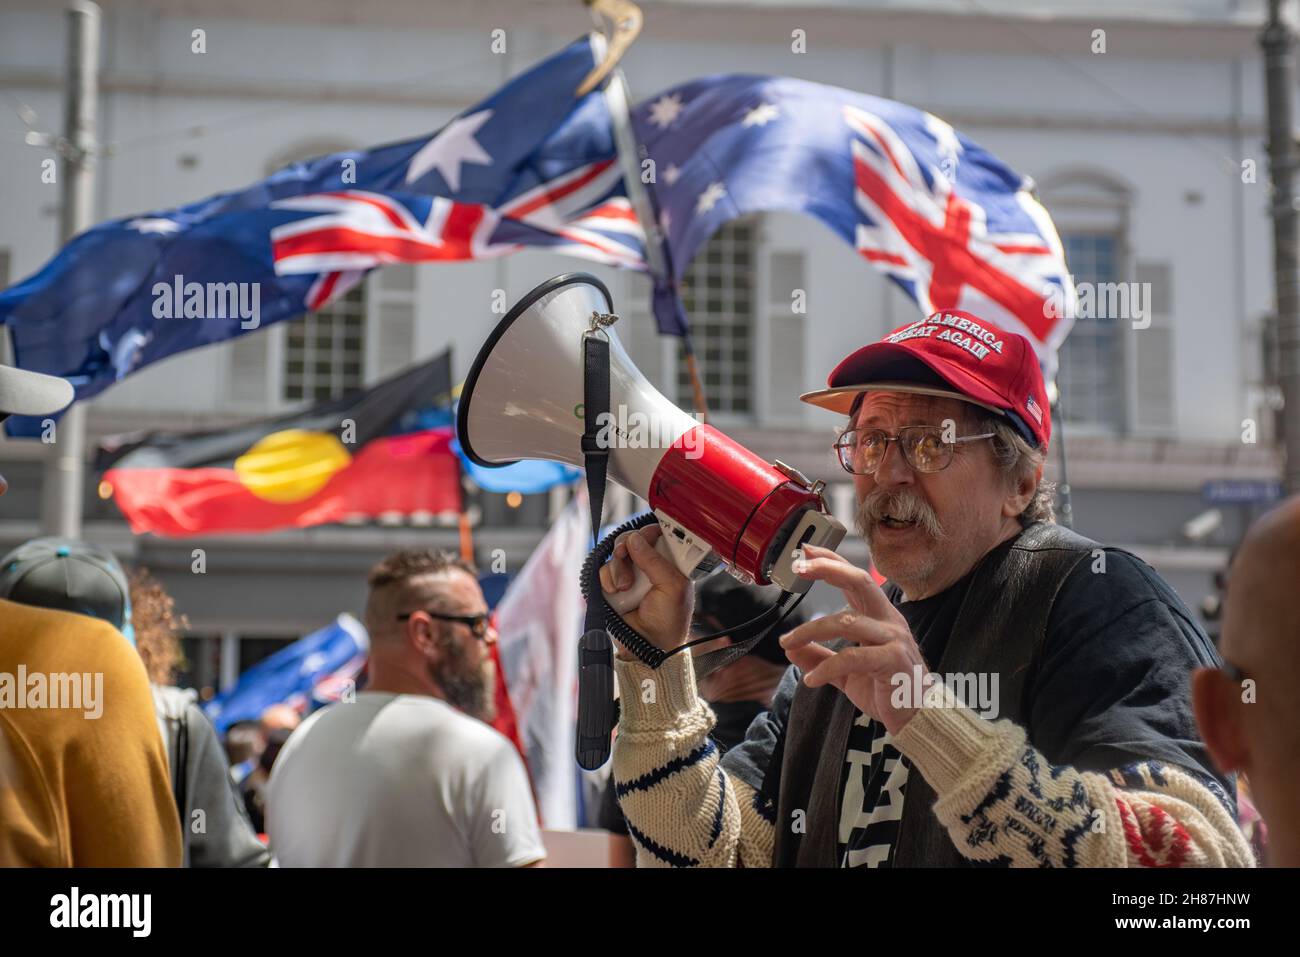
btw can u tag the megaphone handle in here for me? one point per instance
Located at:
(630, 599)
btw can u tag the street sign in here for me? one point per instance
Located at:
(1240, 491)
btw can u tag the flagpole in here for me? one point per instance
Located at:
(617, 101)
(65, 469)
(1066, 516)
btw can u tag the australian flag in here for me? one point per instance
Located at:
(533, 165)
(945, 219)
(312, 671)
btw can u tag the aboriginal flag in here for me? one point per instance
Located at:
(386, 449)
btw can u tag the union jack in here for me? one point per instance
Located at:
(937, 243)
(950, 223)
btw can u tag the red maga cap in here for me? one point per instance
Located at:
(953, 354)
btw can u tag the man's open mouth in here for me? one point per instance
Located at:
(890, 521)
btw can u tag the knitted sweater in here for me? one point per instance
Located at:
(999, 799)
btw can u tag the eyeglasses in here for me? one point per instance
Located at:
(861, 451)
(477, 624)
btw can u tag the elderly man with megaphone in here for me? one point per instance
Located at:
(1014, 695)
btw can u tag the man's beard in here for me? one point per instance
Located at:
(899, 508)
(469, 687)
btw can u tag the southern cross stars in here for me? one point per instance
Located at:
(709, 198)
(665, 109)
(761, 115)
(155, 225)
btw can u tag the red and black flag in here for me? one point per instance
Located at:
(386, 449)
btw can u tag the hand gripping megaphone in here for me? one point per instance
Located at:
(533, 392)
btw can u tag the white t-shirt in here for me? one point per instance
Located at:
(394, 780)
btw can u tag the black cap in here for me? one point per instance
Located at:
(68, 575)
(729, 603)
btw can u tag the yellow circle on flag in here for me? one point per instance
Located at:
(292, 465)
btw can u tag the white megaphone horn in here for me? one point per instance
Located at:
(716, 500)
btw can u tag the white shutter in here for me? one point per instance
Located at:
(1152, 411)
(249, 381)
(786, 331)
(391, 315)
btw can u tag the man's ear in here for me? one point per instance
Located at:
(1216, 702)
(420, 635)
(1022, 493)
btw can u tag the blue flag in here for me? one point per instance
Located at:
(949, 222)
(530, 166)
(300, 675)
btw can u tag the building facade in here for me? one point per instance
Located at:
(1143, 128)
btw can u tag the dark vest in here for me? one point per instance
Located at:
(1000, 629)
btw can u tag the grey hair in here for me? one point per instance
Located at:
(1019, 460)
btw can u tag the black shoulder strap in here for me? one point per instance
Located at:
(596, 707)
(180, 773)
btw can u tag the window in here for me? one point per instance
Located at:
(254, 649)
(1090, 208)
(1091, 377)
(324, 351)
(718, 293)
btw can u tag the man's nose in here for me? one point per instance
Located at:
(894, 470)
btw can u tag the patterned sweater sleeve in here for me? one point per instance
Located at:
(682, 808)
(1002, 802)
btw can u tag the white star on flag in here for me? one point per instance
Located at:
(163, 226)
(709, 198)
(761, 115)
(672, 172)
(450, 149)
(664, 110)
(664, 222)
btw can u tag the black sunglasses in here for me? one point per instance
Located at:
(477, 624)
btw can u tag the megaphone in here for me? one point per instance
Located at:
(523, 399)
(717, 502)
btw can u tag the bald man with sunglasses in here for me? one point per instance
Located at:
(1016, 695)
(409, 774)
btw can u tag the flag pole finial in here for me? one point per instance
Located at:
(625, 19)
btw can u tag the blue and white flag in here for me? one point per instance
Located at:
(312, 671)
(533, 165)
(945, 219)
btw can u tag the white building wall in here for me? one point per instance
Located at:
(191, 124)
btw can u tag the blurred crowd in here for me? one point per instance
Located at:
(407, 772)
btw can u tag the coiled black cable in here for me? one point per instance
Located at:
(631, 639)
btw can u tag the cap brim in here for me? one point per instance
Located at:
(841, 399)
(32, 393)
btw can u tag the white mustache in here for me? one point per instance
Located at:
(904, 506)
